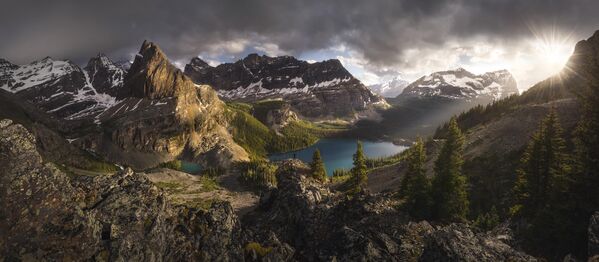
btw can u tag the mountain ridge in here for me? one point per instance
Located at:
(318, 90)
(462, 84)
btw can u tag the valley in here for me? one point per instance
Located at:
(248, 152)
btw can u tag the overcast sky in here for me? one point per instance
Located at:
(374, 39)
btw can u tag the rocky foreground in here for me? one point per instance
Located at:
(47, 214)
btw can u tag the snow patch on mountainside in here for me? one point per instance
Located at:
(36, 73)
(461, 84)
(296, 86)
(61, 85)
(390, 88)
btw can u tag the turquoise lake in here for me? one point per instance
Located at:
(190, 167)
(337, 152)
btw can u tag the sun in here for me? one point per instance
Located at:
(554, 53)
(552, 48)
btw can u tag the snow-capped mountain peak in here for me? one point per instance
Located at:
(462, 84)
(390, 88)
(320, 89)
(62, 88)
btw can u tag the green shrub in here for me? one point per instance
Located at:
(257, 248)
(174, 164)
(258, 173)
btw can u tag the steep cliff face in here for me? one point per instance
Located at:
(164, 116)
(317, 90)
(106, 76)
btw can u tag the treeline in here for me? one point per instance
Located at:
(555, 192)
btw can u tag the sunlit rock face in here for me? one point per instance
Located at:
(165, 115)
(317, 90)
(461, 84)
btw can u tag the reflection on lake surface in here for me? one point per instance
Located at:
(337, 152)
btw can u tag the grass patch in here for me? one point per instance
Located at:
(341, 175)
(378, 162)
(209, 184)
(101, 166)
(199, 203)
(171, 187)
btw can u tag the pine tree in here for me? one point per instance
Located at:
(359, 175)
(586, 140)
(415, 186)
(318, 170)
(544, 169)
(543, 190)
(449, 184)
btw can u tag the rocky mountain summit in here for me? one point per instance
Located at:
(317, 90)
(151, 114)
(461, 84)
(125, 217)
(105, 75)
(164, 115)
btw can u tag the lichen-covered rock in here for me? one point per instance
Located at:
(47, 215)
(593, 234)
(457, 242)
(39, 218)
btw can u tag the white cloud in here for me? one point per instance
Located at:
(235, 46)
(270, 49)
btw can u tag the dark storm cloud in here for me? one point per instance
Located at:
(380, 30)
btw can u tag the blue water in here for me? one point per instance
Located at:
(190, 167)
(337, 152)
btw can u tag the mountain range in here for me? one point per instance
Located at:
(461, 84)
(92, 160)
(320, 90)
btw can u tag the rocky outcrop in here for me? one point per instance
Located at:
(274, 114)
(457, 242)
(461, 84)
(319, 224)
(593, 236)
(318, 90)
(47, 215)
